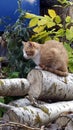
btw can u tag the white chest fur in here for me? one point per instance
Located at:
(36, 59)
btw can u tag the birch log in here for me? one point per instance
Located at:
(36, 116)
(14, 87)
(46, 85)
(20, 102)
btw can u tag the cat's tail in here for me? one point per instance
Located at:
(58, 72)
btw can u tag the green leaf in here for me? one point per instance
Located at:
(60, 32)
(1, 109)
(62, 1)
(57, 19)
(50, 24)
(52, 13)
(60, 25)
(69, 33)
(41, 36)
(39, 29)
(70, 56)
(56, 38)
(14, 75)
(65, 2)
(68, 19)
(48, 38)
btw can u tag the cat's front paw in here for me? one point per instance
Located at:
(38, 68)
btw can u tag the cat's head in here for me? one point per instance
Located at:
(30, 49)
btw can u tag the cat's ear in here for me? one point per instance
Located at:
(30, 44)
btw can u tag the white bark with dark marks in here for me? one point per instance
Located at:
(46, 85)
(36, 116)
(14, 87)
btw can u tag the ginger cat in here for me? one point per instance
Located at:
(50, 56)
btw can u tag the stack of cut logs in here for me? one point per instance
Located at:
(52, 96)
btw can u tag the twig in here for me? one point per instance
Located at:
(18, 125)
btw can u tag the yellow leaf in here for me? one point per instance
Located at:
(29, 15)
(39, 29)
(33, 22)
(42, 22)
(50, 24)
(47, 18)
(52, 13)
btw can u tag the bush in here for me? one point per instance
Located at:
(18, 66)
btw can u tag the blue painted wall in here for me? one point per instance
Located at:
(8, 10)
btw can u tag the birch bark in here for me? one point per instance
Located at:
(46, 85)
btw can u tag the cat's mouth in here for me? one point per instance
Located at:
(25, 56)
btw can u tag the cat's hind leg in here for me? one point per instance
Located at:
(58, 72)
